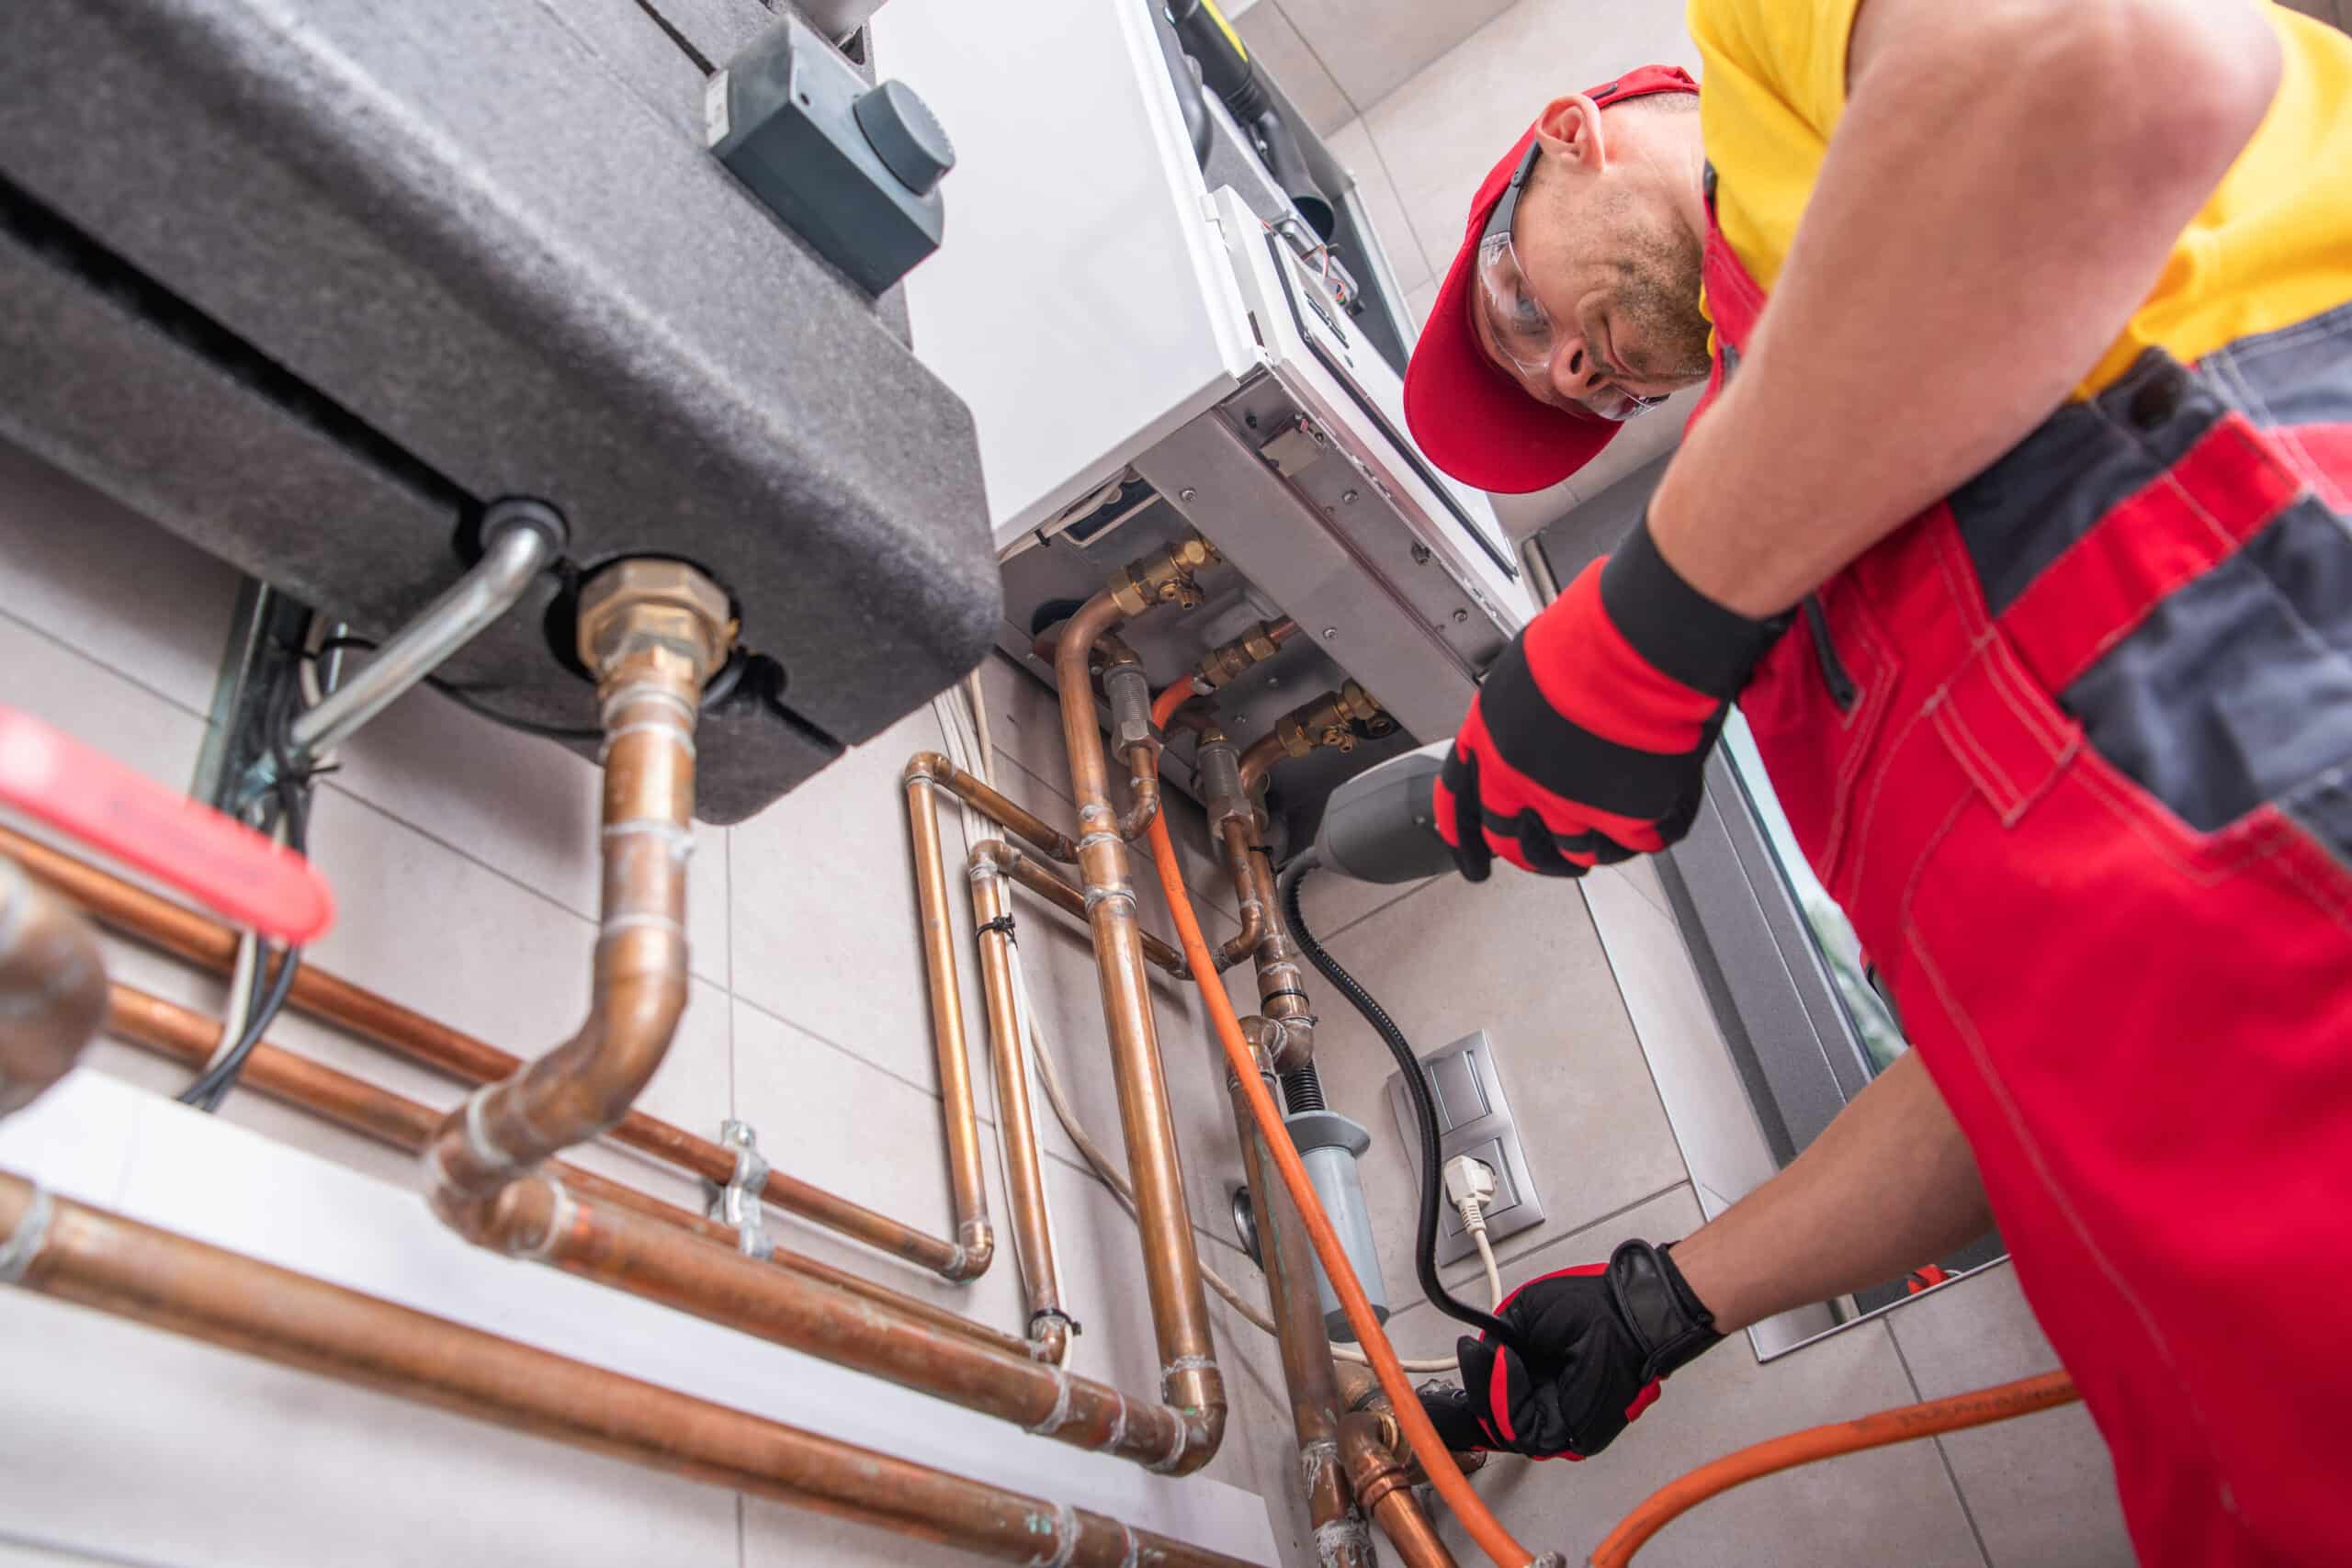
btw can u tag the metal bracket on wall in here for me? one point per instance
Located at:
(1474, 1118)
(737, 1204)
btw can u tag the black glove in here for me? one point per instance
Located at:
(1599, 1338)
(1587, 742)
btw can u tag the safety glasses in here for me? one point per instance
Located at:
(1516, 321)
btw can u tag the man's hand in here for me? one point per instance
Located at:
(1586, 742)
(1599, 1338)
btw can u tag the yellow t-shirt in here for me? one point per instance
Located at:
(2272, 247)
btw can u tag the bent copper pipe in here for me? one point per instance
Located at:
(536, 1217)
(1143, 792)
(1030, 827)
(1304, 1344)
(652, 652)
(52, 987)
(137, 913)
(1235, 833)
(75, 1253)
(959, 1112)
(1025, 1170)
(407, 1125)
(1383, 1484)
(1189, 1374)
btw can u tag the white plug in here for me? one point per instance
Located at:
(1470, 1187)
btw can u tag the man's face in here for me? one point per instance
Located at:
(1594, 303)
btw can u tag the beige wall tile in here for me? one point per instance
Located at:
(1283, 55)
(1518, 957)
(1373, 46)
(102, 579)
(2040, 1489)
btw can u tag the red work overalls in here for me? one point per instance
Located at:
(2074, 750)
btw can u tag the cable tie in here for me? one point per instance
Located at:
(1001, 925)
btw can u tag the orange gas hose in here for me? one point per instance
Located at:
(1443, 1473)
(2021, 1398)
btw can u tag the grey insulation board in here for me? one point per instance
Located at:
(472, 228)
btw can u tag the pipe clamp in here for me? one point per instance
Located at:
(24, 1244)
(737, 1204)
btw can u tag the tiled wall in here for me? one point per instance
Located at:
(462, 855)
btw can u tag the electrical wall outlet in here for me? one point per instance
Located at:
(1473, 1118)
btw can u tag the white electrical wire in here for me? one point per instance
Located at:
(1494, 1276)
(960, 731)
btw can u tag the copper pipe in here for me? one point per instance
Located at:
(1325, 720)
(416, 1038)
(959, 1112)
(1384, 1484)
(1228, 663)
(1235, 833)
(537, 1217)
(52, 987)
(1189, 1374)
(1040, 879)
(97, 1259)
(1304, 1344)
(653, 631)
(1024, 824)
(1024, 1170)
(407, 1125)
(1262, 755)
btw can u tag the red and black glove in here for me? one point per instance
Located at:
(1599, 1338)
(1588, 741)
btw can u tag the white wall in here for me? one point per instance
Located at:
(462, 855)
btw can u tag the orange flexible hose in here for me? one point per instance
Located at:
(1443, 1473)
(2021, 1398)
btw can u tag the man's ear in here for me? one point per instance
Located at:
(1569, 128)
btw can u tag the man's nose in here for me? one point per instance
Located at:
(1573, 370)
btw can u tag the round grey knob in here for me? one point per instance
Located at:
(906, 136)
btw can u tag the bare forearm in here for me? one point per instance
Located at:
(1888, 1186)
(2003, 191)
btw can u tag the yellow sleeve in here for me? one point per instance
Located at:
(1772, 86)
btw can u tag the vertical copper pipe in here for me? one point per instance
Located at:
(1143, 792)
(1024, 1168)
(975, 1239)
(537, 1217)
(1189, 1374)
(96, 1259)
(402, 1124)
(1304, 1344)
(182, 933)
(1383, 1481)
(649, 686)
(52, 987)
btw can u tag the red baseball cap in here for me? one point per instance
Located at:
(1472, 420)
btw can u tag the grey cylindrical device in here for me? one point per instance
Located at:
(1329, 1144)
(1380, 825)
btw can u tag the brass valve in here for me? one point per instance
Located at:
(649, 602)
(1226, 663)
(1164, 576)
(1329, 720)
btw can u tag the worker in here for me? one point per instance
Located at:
(2015, 518)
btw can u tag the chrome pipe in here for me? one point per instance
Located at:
(519, 539)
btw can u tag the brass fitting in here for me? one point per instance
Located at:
(1163, 575)
(1327, 721)
(1228, 663)
(647, 603)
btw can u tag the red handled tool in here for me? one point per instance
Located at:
(219, 862)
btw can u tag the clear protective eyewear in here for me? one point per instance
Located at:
(1516, 320)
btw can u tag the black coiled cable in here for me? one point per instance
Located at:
(1417, 1090)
